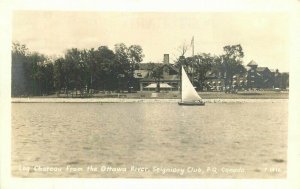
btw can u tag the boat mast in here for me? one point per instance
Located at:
(193, 48)
(181, 81)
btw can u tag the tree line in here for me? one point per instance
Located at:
(101, 69)
(105, 69)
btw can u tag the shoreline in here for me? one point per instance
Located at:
(128, 100)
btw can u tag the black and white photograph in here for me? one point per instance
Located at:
(178, 95)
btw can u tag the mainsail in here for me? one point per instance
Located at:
(187, 89)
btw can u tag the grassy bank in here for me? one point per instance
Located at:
(177, 95)
(246, 95)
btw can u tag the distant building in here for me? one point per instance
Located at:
(266, 80)
(255, 78)
(263, 77)
(285, 80)
(281, 80)
(169, 81)
(214, 81)
(240, 81)
(259, 77)
(277, 78)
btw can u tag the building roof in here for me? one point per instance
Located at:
(161, 85)
(150, 66)
(173, 67)
(140, 73)
(165, 78)
(252, 63)
(262, 69)
(144, 72)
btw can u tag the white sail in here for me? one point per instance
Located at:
(188, 91)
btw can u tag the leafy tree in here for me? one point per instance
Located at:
(185, 62)
(19, 49)
(92, 66)
(218, 66)
(109, 69)
(128, 58)
(135, 55)
(101, 68)
(182, 60)
(122, 59)
(196, 67)
(203, 63)
(48, 78)
(121, 52)
(76, 67)
(106, 73)
(32, 73)
(60, 75)
(35, 69)
(19, 81)
(157, 74)
(232, 62)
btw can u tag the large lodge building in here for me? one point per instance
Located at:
(255, 78)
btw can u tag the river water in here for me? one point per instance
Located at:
(150, 140)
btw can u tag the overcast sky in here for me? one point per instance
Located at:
(263, 36)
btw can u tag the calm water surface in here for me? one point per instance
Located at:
(157, 140)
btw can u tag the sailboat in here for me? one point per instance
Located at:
(189, 95)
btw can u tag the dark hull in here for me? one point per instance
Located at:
(191, 103)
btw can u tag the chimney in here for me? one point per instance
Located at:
(166, 59)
